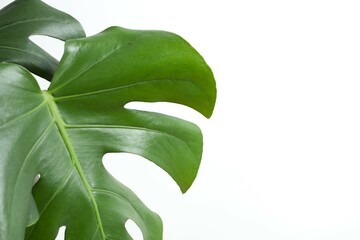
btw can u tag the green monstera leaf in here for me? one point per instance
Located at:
(63, 133)
(24, 18)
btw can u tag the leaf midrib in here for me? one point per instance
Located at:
(62, 129)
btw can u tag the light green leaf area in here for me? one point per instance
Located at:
(36, 18)
(63, 133)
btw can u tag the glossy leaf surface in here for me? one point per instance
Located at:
(63, 133)
(24, 18)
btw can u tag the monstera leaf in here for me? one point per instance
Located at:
(63, 133)
(24, 18)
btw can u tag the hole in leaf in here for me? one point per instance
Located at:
(140, 175)
(171, 109)
(134, 230)
(61, 233)
(36, 179)
(44, 84)
(53, 46)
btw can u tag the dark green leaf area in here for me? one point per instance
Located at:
(22, 19)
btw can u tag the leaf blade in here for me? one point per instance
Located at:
(142, 61)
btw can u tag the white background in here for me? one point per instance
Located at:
(281, 154)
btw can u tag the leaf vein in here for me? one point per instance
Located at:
(22, 116)
(103, 58)
(104, 191)
(134, 128)
(21, 50)
(69, 173)
(118, 88)
(47, 20)
(94, 235)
